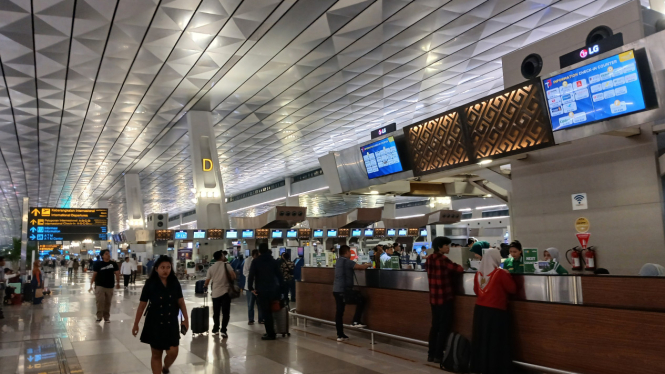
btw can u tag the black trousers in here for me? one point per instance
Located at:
(222, 303)
(126, 278)
(339, 313)
(263, 301)
(442, 322)
(134, 276)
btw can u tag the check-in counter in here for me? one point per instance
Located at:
(576, 323)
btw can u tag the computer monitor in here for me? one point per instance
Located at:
(231, 234)
(246, 252)
(317, 234)
(369, 233)
(332, 233)
(277, 234)
(402, 232)
(282, 250)
(248, 234)
(199, 234)
(356, 232)
(391, 232)
(181, 235)
(292, 234)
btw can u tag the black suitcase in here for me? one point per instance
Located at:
(201, 318)
(199, 287)
(27, 292)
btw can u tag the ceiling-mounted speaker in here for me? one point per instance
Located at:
(597, 34)
(531, 66)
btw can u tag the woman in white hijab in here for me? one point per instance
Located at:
(652, 270)
(552, 255)
(491, 320)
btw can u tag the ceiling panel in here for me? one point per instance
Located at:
(93, 89)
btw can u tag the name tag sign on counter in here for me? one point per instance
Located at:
(73, 224)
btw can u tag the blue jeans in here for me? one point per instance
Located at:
(251, 301)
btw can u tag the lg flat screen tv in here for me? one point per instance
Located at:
(381, 158)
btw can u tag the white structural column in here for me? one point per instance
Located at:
(210, 206)
(290, 200)
(24, 239)
(388, 211)
(134, 196)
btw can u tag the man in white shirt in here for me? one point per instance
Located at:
(219, 275)
(134, 264)
(126, 271)
(70, 268)
(251, 298)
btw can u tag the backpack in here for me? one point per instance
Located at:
(458, 354)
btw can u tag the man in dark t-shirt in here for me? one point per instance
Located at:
(104, 272)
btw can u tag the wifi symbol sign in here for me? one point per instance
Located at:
(579, 201)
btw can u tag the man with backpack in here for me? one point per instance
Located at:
(441, 274)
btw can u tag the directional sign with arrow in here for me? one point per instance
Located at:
(69, 224)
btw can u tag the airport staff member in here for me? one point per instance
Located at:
(552, 255)
(515, 262)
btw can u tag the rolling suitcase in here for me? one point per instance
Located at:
(199, 287)
(281, 318)
(201, 318)
(27, 292)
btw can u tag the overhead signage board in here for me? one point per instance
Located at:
(384, 130)
(72, 224)
(604, 45)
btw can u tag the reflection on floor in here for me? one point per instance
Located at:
(63, 335)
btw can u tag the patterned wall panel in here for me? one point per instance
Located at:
(509, 122)
(437, 144)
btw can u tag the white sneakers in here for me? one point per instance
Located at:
(359, 325)
(342, 338)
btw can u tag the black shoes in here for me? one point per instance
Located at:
(268, 337)
(435, 360)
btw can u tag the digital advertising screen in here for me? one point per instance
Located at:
(248, 234)
(391, 232)
(423, 232)
(231, 234)
(369, 233)
(381, 158)
(317, 234)
(199, 234)
(356, 232)
(292, 234)
(402, 232)
(180, 235)
(277, 234)
(332, 233)
(603, 89)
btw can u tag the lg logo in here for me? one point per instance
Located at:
(586, 52)
(382, 131)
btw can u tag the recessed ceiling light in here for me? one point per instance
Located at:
(484, 162)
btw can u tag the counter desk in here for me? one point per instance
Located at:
(577, 323)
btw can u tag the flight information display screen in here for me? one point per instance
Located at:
(381, 158)
(603, 89)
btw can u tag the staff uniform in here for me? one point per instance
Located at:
(514, 265)
(490, 348)
(555, 261)
(161, 329)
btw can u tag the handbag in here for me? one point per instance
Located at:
(234, 289)
(352, 296)
(39, 293)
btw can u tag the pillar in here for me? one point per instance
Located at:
(388, 211)
(134, 200)
(24, 239)
(290, 200)
(210, 206)
(439, 203)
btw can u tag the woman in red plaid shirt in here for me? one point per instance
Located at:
(441, 272)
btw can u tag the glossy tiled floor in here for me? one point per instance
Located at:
(66, 321)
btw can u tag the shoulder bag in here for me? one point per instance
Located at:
(234, 289)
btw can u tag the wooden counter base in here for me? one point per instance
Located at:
(576, 338)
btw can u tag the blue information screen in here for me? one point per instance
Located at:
(603, 89)
(381, 158)
(318, 234)
(181, 234)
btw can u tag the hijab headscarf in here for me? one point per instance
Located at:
(554, 253)
(478, 247)
(652, 270)
(491, 260)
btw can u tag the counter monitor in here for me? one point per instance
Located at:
(215, 234)
(318, 234)
(331, 233)
(181, 235)
(282, 250)
(292, 234)
(301, 251)
(391, 232)
(356, 232)
(247, 253)
(248, 234)
(199, 234)
(594, 92)
(381, 158)
(423, 232)
(277, 234)
(231, 234)
(369, 233)
(402, 232)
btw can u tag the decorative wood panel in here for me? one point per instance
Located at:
(437, 144)
(624, 292)
(512, 121)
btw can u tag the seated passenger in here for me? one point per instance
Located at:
(491, 321)
(652, 270)
(515, 263)
(552, 255)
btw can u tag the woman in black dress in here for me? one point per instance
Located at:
(162, 329)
